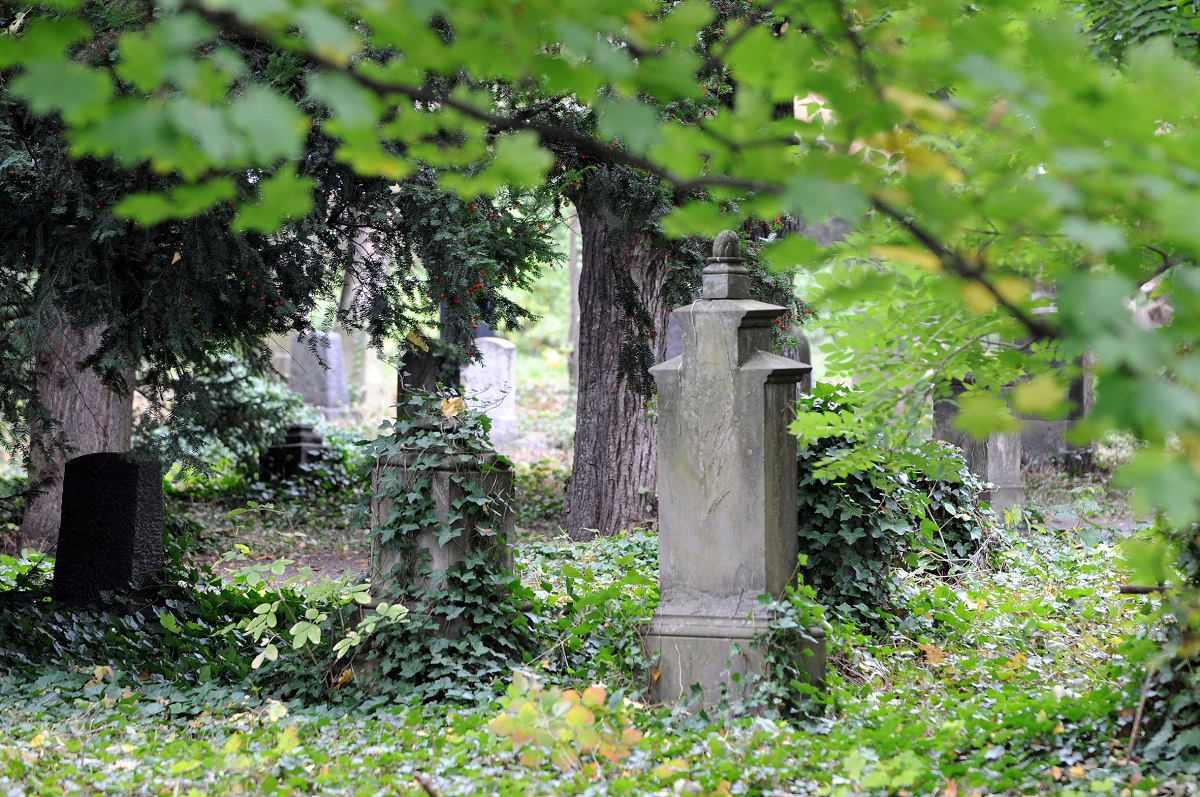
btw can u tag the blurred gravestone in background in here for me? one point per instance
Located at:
(490, 385)
(996, 458)
(318, 373)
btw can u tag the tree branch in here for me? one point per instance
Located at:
(497, 123)
(957, 265)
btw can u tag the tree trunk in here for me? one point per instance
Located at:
(573, 313)
(612, 485)
(93, 419)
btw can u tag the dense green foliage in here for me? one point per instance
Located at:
(983, 144)
(856, 527)
(239, 415)
(182, 288)
(1012, 679)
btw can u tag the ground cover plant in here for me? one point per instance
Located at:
(1020, 675)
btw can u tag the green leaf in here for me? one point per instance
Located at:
(281, 196)
(168, 621)
(816, 199)
(273, 126)
(182, 202)
(634, 123)
(79, 93)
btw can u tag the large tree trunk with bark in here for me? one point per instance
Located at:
(613, 482)
(92, 417)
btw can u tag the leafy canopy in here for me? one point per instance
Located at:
(985, 144)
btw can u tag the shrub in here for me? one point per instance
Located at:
(890, 510)
(229, 422)
(540, 492)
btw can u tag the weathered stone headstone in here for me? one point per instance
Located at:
(801, 352)
(112, 526)
(726, 487)
(321, 377)
(1043, 440)
(449, 484)
(996, 458)
(300, 446)
(490, 385)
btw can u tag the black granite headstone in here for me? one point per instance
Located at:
(112, 526)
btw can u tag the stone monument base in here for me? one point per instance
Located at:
(707, 651)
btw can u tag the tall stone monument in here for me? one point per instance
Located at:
(726, 487)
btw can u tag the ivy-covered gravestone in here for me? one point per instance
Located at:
(439, 495)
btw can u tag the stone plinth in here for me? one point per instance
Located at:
(400, 559)
(726, 487)
(490, 385)
(301, 446)
(996, 459)
(321, 377)
(112, 526)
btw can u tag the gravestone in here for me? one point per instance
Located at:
(300, 446)
(112, 526)
(449, 482)
(726, 488)
(422, 372)
(489, 385)
(320, 378)
(1043, 440)
(801, 352)
(996, 459)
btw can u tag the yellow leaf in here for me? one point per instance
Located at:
(416, 340)
(924, 160)
(176, 258)
(1059, 728)
(1077, 772)
(1056, 772)
(233, 744)
(908, 254)
(288, 740)
(580, 717)
(1039, 396)
(933, 654)
(345, 677)
(1012, 289)
(453, 406)
(594, 695)
(912, 104)
(978, 297)
(38, 740)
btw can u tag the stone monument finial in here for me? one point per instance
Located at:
(725, 277)
(726, 246)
